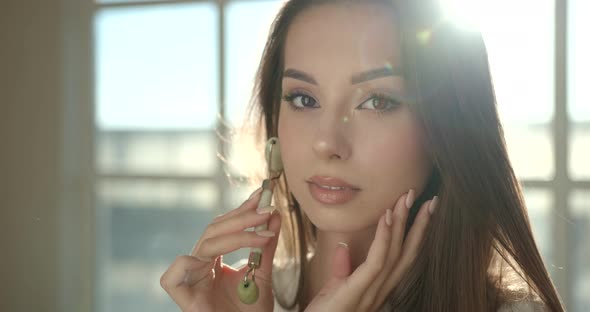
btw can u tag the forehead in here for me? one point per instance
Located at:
(343, 37)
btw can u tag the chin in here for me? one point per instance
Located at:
(340, 221)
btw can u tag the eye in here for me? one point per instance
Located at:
(380, 103)
(299, 101)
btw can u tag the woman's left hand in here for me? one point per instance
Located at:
(389, 257)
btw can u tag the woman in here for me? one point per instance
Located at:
(397, 192)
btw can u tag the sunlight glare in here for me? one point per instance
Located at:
(467, 14)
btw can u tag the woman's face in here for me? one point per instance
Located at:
(342, 120)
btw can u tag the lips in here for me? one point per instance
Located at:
(331, 190)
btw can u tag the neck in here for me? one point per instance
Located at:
(319, 268)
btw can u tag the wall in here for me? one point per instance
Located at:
(30, 98)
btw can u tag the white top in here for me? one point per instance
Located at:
(286, 278)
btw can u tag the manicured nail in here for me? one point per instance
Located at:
(388, 217)
(258, 191)
(343, 244)
(433, 204)
(265, 233)
(410, 199)
(263, 210)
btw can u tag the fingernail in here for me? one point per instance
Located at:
(433, 204)
(265, 233)
(388, 217)
(263, 210)
(410, 199)
(343, 244)
(258, 191)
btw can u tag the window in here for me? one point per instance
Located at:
(167, 72)
(578, 47)
(526, 101)
(158, 91)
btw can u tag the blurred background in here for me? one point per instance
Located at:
(110, 123)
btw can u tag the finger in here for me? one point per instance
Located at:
(220, 245)
(213, 269)
(268, 253)
(250, 204)
(172, 281)
(341, 269)
(398, 218)
(365, 274)
(409, 249)
(416, 233)
(236, 224)
(176, 273)
(239, 222)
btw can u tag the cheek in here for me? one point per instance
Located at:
(402, 150)
(399, 161)
(296, 130)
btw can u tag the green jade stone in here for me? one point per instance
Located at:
(248, 291)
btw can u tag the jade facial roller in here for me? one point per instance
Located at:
(247, 288)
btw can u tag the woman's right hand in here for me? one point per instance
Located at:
(202, 282)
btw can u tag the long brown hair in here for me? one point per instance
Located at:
(479, 247)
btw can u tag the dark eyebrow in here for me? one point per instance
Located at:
(299, 75)
(376, 73)
(356, 78)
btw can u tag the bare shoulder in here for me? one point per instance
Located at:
(524, 306)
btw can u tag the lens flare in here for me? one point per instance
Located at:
(424, 36)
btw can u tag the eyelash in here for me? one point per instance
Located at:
(290, 97)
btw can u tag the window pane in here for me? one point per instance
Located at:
(578, 62)
(157, 194)
(580, 150)
(157, 152)
(157, 102)
(247, 26)
(522, 66)
(156, 67)
(521, 58)
(539, 204)
(530, 148)
(578, 96)
(580, 232)
(142, 226)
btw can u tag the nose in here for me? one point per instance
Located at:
(331, 140)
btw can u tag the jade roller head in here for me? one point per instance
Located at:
(247, 288)
(273, 158)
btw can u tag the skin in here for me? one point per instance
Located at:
(340, 133)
